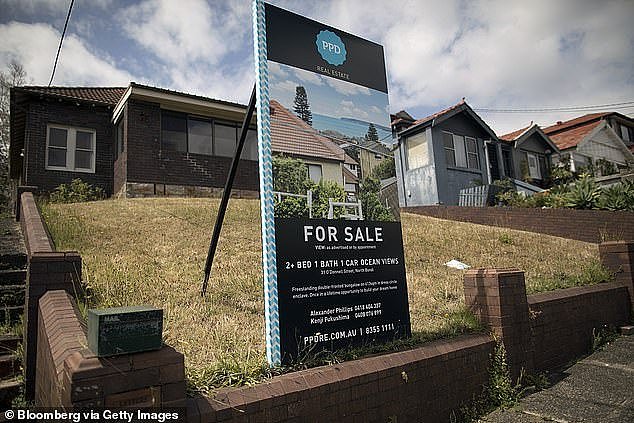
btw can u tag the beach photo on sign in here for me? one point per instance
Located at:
(333, 144)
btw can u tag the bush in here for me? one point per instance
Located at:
(77, 191)
(289, 175)
(372, 207)
(321, 193)
(384, 170)
(584, 194)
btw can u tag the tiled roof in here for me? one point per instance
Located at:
(558, 127)
(512, 136)
(349, 177)
(440, 113)
(291, 135)
(102, 95)
(183, 94)
(573, 136)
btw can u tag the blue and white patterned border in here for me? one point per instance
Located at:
(269, 261)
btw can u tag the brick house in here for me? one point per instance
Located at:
(137, 141)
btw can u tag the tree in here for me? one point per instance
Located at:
(384, 170)
(372, 134)
(370, 202)
(302, 108)
(13, 76)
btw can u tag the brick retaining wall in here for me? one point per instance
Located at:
(583, 225)
(424, 384)
(563, 322)
(71, 376)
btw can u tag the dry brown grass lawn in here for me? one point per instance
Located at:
(152, 251)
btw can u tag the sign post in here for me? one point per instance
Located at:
(329, 283)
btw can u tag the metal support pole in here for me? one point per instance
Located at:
(227, 191)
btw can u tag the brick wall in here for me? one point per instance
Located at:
(71, 376)
(52, 111)
(148, 163)
(563, 321)
(547, 330)
(424, 384)
(583, 225)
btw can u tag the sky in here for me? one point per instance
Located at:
(496, 54)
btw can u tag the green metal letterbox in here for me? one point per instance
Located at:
(124, 330)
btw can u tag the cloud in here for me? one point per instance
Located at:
(196, 43)
(348, 108)
(346, 88)
(499, 54)
(308, 77)
(35, 45)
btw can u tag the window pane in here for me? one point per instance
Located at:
(417, 152)
(174, 133)
(314, 172)
(471, 145)
(224, 140)
(57, 137)
(199, 136)
(84, 140)
(450, 154)
(447, 140)
(83, 159)
(250, 148)
(57, 157)
(472, 160)
(461, 157)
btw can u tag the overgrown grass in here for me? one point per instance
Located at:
(152, 251)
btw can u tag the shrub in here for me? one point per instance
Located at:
(321, 193)
(372, 207)
(386, 169)
(290, 175)
(584, 194)
(77, 191)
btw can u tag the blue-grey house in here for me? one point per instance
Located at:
(441, 154)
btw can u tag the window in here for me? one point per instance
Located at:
(70, 149)
(314, 173)
(507, 162)
(250, 148)
(199, 136)
(174, 131)
(625, 133)
(472, 153)
(460, 151)
(417, 151)
(224, 140)
(450, 152)
(533, 166)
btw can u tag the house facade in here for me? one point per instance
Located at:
(531, 155)
(594, 140)
(143, 141)
(443, 153)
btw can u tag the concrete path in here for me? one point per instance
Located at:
(599, 388)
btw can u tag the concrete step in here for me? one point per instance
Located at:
(10, 315)
(12, 261)
(9, 344)
(9, 366)
(12, 295)
(12, 276)
(9, 389)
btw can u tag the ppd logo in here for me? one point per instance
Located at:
(331, 48)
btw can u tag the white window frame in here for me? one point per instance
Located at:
(537, 173)
(71, 148)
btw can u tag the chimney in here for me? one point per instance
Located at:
(559, 122)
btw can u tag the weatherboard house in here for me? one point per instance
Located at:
(145, 141)
(441, 154)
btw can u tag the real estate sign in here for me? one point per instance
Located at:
(334, 274)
